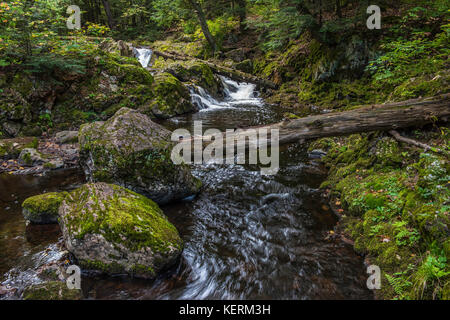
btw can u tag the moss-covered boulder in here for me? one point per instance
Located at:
(198, 73)
(132, 151)
(30, 156)
(53, 290)
(116, 231)
(387, 152)
(244, 66)
(43, 208)
(15, 110)
(64, 137)
(171, 98)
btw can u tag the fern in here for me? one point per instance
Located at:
(399, 284)
(48, 63)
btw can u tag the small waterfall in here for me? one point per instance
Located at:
(144, 56)
(240, 92)
(203, 100)
(236, 94)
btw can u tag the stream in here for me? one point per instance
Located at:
(247, 236)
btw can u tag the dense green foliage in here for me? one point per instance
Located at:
(396, 209)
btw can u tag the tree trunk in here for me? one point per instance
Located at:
(242, 12)
(372, 118)
(111, 22)
(203, 24)
(338, 9)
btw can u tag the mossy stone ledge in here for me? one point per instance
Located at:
(43, 208)
(116, 231)
(132, 151)
(171, 98)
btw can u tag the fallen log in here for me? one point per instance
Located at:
(385, 117)
(218, 69)
(413, 142)
(171, 55)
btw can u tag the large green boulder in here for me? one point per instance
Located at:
(170, 98)
(198, 73)
(43, 208)
(132, 151)
(116, 231)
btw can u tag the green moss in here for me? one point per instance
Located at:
(171, 98)
(43, 208)
(396, 210)
(388, 152)
(423, 86)
(111, 162)
(54, 290)
(22, 83)
(121, 217)
(11, 148)
(33, 144)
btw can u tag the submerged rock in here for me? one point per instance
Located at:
(316, 154)
(116, 231)
(53, 290)
(43, 209)
(132, 151)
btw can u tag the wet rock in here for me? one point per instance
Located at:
(116, 231)
(30, 156)
(317, 154)
(66, 137)
(172, 98)
(53, 290)
(132, 151)
(7, 293)
(55, 164)
(43, 209)
(198, 73)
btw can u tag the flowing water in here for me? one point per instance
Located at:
(247, 236)
(144, 56)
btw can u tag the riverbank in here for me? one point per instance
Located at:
(393, 200)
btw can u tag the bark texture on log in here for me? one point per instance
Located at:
(415, 143)
(385, 117)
